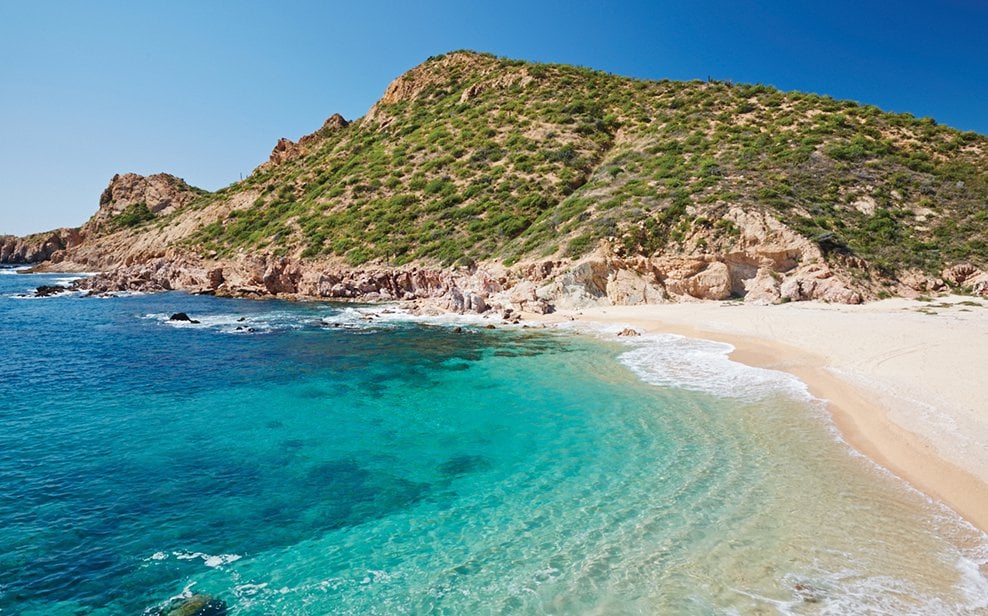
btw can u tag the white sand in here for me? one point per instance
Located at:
(905, 386)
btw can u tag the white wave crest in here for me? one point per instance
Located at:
(69, 279)
(387, 316)
(369, 318)
(10, 271)
(850, 592)
(210, 560)
(237, 323)
(29, 294)
(703, 365)
(670, 360)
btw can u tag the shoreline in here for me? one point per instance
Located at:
(896, 388)
(821, 344)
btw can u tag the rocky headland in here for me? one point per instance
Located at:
(480, 184)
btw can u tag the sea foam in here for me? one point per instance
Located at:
(671, 360)
(10, 271)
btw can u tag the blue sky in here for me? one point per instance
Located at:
(204, 89)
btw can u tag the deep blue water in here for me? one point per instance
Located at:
(295, 458)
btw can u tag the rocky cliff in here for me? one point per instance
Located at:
(118, 233)
(286, 149)
(153, 195)
(39, 247)
(483, 182)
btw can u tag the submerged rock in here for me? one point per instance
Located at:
(462, 465)
(807, 593)
(196, 605)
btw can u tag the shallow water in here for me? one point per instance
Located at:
(331, 459)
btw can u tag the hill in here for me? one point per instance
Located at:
(533, 184)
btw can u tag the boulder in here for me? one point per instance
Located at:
(49, 290)
(456, 300)
(762, 289)
(712, 281)
(817, 282)
(181, 316)
(475, 303)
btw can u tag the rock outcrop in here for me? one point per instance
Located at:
(38, 247)
(537, 287)
(286, 149)
(262, 276)
(421, 81)
(968, 277)
(161, 193)
(47, 290)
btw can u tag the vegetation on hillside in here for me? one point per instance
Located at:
(133, 215)
(475, 157)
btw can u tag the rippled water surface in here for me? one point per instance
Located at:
(320, 459)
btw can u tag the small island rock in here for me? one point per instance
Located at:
(181, 316)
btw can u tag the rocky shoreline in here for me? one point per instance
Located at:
(538, 288)
(763, 274)
(765, 262)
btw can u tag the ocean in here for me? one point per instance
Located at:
(314, 458)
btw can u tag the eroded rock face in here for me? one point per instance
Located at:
(161, 193)
(961, 273)
(967, 277)
(462, 291)
(38, 247)
(536, 288)
(286, 149)
(818, 283)
(700, 279)
(766, 263)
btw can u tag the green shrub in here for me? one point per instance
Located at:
(579, 245)
(133, 215)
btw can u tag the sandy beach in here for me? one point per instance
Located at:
(903, 379)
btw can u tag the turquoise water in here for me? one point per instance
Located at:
(328, 459)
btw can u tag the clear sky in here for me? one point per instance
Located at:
(203, 89)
